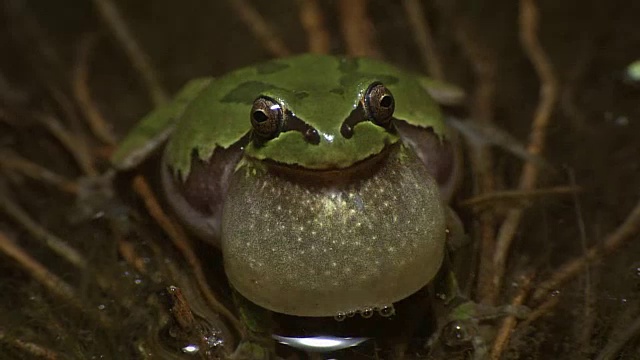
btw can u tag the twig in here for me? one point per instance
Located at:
(15, 162)
(180, 309)
(139, 59)
(128, 253)
(548, 98)
(625, 232)
(588, 317)
(12, 95)
(509, 323)
(45, 60)
(540, 311)
(482, 110)
(509, 196)
(181, 241)
(57, 245)
(312, 20)
(616, 343)
(261, 29)
(199, 305)
(583, 60)
(76, 146)
(586, 327)
(357, 29)
(26, 30)
(94, 118)
(424, 39)
(54, 284)
(189, 327)
(29, 348)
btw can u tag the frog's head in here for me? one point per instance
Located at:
(309, 111)
(327, 113)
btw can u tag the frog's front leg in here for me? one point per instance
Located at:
(155, 128)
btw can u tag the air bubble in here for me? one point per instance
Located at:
(387, 311)
(351, 313)
(456, 334)
(214, 340)
(366, 313)
(340, 316)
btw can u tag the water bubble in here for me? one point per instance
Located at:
(366, 313)
(457, 334)
(386, 311)
(340, 316)
(214, 341)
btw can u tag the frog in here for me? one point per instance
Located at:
(324, 180)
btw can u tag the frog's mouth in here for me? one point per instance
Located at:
(360, 170)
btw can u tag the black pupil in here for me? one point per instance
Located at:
(385, 101)
(260, 116)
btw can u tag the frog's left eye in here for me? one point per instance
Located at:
(266, 117)
(379, 104)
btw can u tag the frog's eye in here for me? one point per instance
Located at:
(379, 104)
(266, 117)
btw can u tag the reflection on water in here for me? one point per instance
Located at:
(323, 344)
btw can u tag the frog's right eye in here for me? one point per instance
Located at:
(266, 118)
(379, 104)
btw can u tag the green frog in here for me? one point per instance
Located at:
(324, 180)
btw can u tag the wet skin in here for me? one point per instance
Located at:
(324, 180)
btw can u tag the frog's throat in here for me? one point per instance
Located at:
(331, 176)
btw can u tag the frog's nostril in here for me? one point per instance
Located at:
(311, 136)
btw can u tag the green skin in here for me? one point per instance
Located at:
(322, 91)
(338, 87)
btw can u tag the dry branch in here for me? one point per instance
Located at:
(549, 89)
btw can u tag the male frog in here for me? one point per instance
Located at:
(324, 180)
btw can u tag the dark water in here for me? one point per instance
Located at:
(594, 134)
